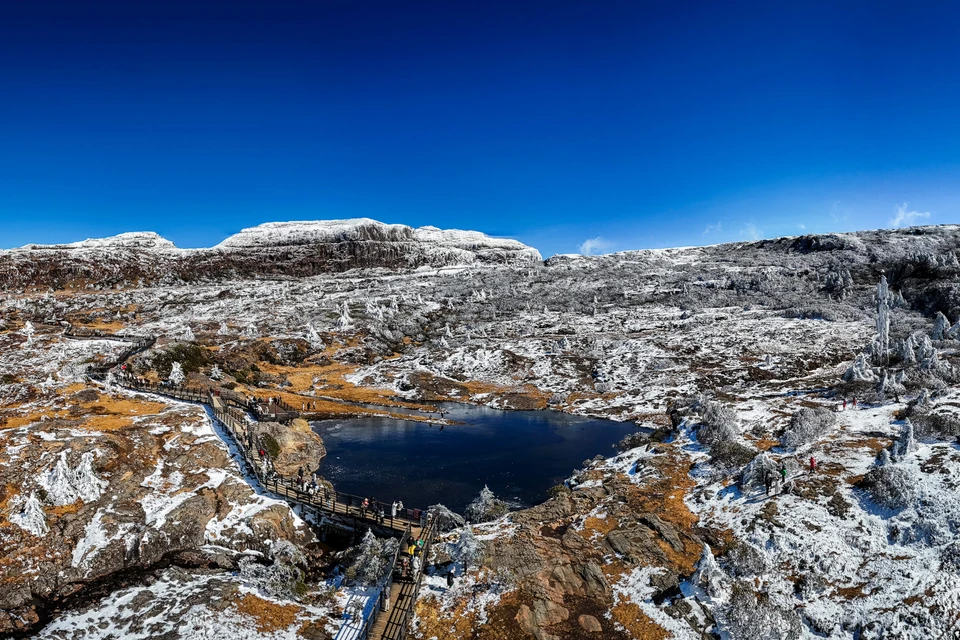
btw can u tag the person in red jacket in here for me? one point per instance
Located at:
(813, 464)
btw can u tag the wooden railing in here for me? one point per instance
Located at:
(325, 500)
(383, 592)
(427, 536)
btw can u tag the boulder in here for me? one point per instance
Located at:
(291, 447)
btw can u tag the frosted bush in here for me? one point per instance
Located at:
(446, 519)
(950, 557)
(807, 425)
(58, 483)
(906, 443)
(485, 507)
(32, 517)
(88, 487)
(718, 423)
(755, 616)
(64, 485)
(756, 471)
(860, 371)
(28, 331)
(370, 558)
(467, 549)
(941, 327)
(176, 374)
(891, 486)
(283, 578)
(708, 577)
(745, 560)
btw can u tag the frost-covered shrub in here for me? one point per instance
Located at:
(950, 557)
(446, 519)
(807, 425)
(283, 578)
(860, 371)
(368, 560)
(718, 423)
(890, 486)
(632, 441)
(708, 577)
(906, 443)
(753, 475)
(941, 327)
(176, 374)
(467, 549)
(732, 454)
(745, 560)
(485, 507)
(754, 616)
(938, 424)
(58, 483)
(32, 517)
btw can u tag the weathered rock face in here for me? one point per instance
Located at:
(279, 248)
(565, 558)
(297, 445)
(83, 498)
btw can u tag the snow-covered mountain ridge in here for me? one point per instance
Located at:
(277, 248)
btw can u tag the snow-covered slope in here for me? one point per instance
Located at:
(129, 240)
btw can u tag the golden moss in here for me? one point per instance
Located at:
(268, 616)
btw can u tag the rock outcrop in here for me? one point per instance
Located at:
(111, 499)
(293, 447)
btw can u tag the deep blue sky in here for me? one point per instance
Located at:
(641, 124)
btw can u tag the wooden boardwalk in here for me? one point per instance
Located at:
(401, 585)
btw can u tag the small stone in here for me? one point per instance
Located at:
(590, 624)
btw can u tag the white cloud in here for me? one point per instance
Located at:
(593, 246)
(713, 228)
(906, 218)
(802, 227)
(750, 232)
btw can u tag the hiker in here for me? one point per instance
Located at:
(400, 506)
(300, 475)
(449, 579)
(363, 508)
(813, 464)
(783, 472)
(854, 402)
(380, 515)
(844, 404)
(393, 510)
(768, 478)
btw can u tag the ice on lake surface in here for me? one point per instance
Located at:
(518, 454)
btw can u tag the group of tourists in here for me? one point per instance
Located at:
(410, 562)
(843, 406)
(312, 485)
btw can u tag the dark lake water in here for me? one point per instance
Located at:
(518, 454)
